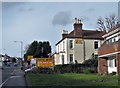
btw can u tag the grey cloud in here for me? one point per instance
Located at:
(90, 10)
(26, 9)
(84, 18)
(9, 5)
(62, 18)
(18, 5)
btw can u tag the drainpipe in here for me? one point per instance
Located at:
(84, 50)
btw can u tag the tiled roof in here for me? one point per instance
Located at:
(86, 34)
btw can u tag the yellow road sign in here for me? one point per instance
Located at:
(45, 62)
(29, 57)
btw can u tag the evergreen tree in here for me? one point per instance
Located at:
(32, 48)
(38, 52)
(38, 49)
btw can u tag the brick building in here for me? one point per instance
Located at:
(109, 52)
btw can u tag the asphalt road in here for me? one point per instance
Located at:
(13, 76)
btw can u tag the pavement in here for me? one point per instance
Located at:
(15, 79)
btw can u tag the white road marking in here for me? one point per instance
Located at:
(15, 76)
(4, 82)
(7, 79)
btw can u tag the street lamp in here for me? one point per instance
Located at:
(21, 46)
(1, 51)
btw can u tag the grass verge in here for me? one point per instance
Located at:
(72, 79)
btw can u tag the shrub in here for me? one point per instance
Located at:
(87, 71)
(75, 68)
(69, 68)
(113, 73)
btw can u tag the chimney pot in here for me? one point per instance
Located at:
(75, 21)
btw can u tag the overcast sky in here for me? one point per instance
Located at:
(45, 21)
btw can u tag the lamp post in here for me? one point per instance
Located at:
(1, 51)
(21, 49)
(21, 46)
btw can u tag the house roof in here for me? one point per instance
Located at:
(112, 31)
(86, 34)
(114, 28)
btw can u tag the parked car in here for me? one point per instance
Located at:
(15, 64)
(8, 64)
(0, 65)
(27, 70)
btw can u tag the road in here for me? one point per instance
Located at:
(12, 76)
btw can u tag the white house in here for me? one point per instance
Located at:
(78, 45)
(2, 57)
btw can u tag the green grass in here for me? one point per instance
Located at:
(71, 79)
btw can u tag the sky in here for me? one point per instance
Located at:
(45, 21)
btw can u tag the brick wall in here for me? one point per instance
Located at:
(119, 57)
(107, 49)
(119, 64)
(102, 66)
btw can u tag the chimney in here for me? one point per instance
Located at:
(77, 24)
(64, 34)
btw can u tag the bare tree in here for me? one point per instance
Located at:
(107, 23)
(101, 24)
(26, 48)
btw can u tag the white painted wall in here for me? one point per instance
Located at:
(77, 51)
(57, 59)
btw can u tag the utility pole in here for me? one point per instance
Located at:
(21, 49)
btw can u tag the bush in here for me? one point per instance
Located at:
(69, 68)
(87, 71)
(113, 73)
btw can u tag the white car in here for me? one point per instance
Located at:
(29, 69)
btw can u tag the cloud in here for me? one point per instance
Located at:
(30, 9)
(9, 5)
(17, 6)
(84, 18)
(90, 10)
(62, 18)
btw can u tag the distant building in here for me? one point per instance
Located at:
(78, 45)
(2, 57)
(109, 52)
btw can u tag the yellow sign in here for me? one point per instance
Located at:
(29, 57)
(45, 62)
(78, 41)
